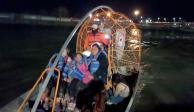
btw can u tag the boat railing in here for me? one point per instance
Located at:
(29, 94)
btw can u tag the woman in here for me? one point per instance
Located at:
(98, 63)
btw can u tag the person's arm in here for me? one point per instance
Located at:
(65, 71)
(60, 63)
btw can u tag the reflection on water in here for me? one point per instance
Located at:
(168, 77)
(168, 66)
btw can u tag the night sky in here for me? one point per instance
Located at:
(77, 8)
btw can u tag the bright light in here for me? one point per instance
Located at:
(136, 12)
(97, 15)
(106, 36)
(134, 32)
(134, 41)
(165, 19)
(96, 19)
(147, 21)
(108, 14)
(87, 53)
(174, 19)
(150, 21)
(90, 15)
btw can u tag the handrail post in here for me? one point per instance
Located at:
(56, 90)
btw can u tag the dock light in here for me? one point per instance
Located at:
(174, 19)
(90, 15)
(158, 19)
(147, 21)
(150, 20)
(108, 14)
(180, 18)
(165, 19)
(136, 12)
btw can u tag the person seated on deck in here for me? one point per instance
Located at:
(63, 60)
(120, 89)
(95, 36)
(98, 63)
(79, 73)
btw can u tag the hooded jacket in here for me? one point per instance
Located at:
(98, 66)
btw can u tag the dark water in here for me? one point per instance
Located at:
(24, 53)
(168, 71)
(168, 75)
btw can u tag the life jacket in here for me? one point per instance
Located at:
(87, 77)
(73, 71)
(93, 63)
(93, 38)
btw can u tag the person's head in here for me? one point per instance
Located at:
(95, 49)
(116, 78)
(94, 28)
(65, 52)
(78, 57)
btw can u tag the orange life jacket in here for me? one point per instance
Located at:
(93, 38)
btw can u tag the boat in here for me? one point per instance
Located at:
(123, 52)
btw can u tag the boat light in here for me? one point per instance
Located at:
(90, 15)
(108, 14)
(96, 19)
(134, 32)
(106, 36)
(134, 41)
(97, 15)
(87, 53)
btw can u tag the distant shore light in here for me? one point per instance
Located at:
(136, 12)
